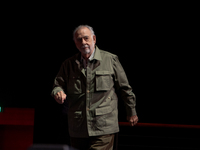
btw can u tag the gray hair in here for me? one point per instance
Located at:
(82, 26)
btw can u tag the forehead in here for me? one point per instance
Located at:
(83, 32)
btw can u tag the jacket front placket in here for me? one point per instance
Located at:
(89, 92)
(90, 89)
(89, 75)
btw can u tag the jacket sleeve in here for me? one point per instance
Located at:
(122, 85)
(59, 81)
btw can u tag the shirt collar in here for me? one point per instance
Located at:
(92, 56)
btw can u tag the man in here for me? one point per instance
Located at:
(89, 80)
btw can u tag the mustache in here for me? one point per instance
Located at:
(84, 46)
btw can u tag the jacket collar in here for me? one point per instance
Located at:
(97, 54)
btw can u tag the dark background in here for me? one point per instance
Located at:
(154, 45)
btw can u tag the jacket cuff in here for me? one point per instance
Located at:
(131, 112)
(56, 90)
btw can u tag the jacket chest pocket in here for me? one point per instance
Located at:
(104, 80)
(74, 85)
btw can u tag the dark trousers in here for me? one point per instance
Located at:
(104, 142)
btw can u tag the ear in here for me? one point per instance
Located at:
(94, 39)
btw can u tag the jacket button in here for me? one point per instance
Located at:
(108, 97)
(88, 91)
(88, 109)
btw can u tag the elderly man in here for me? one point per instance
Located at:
(89, 80)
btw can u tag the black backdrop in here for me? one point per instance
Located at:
(153, 46)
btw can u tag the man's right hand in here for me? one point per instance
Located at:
(60, 97)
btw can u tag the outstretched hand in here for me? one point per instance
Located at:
(132, 120)
(60, 97)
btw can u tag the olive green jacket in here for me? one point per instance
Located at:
(91, 93)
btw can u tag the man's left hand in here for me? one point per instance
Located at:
(132, 120)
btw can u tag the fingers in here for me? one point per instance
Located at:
(133, 120)
(63, 96)
(57, 98)
(132, 123)
(60, 97)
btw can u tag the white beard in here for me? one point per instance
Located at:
(87, 51)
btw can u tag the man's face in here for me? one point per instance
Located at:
(85, 41)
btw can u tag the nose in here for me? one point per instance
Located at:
(83, 41)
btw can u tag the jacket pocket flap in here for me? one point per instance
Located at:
(103, 111)
(78, 114)
(103, 72)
